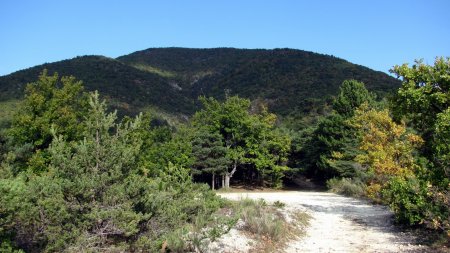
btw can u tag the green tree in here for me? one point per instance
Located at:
(441, 141)
(424, 101)
(332, 148)
(249, 138)
(334, 143)
(425, 93)
(352, 94)
(163, 144)
(93, 197)
(210, 155)
(50, 103)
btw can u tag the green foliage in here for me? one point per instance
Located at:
(331, 149)
(93, 198)
(424, 93)
(293, 82)
(251, 141)
(407, 197)
(163, 144)
(352, 95)
(51, 103)
(424, 100)
(210, 154)
(9, 109)
(441, 141)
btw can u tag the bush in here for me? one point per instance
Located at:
(262, 219)
(347, 186)
(407, 198)
(92, 198)
(416, 202)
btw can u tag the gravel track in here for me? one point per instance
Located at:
(339, 224)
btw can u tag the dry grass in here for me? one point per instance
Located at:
(347, 186)
(270, 225)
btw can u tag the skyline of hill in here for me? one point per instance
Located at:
(289, 81)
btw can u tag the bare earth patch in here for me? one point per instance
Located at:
(338, 224)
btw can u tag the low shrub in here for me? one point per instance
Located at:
(279, 204)
(416, 202)
(347, 186)
(261, 219)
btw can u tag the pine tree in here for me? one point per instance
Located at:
(334, 144)
(210, 155)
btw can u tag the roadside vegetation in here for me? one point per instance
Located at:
(76, 177)
(393, 152)
(269, 224)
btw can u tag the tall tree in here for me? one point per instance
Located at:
(352, 94)
(331, 150)
(210, 155)
(424, 101)
(249, 138)
(388, 148)
(425, 93)
(50, 103)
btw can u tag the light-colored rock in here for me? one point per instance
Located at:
(235, 241)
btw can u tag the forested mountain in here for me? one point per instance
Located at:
(288, 80)
(128, 88)
(77, 177)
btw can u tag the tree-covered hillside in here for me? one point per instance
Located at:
(126, 87)
(75, 177)
(288, 80)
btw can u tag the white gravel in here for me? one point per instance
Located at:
(338, 224)
(233, 242)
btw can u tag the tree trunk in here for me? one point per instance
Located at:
(213, 181)
(223, 181)
(229, 175)
(227, 180)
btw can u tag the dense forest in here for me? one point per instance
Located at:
(77, 177)
(172, 79)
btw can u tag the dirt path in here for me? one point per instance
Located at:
(340, 224)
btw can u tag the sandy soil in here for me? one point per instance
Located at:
(338, 224)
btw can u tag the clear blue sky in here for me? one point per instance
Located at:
(377, 34)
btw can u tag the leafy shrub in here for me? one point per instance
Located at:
(407, 198)
(416, 202)
(347, 186)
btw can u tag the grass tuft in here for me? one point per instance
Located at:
(347, 186)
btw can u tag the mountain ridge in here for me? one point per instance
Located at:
(289, 81)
